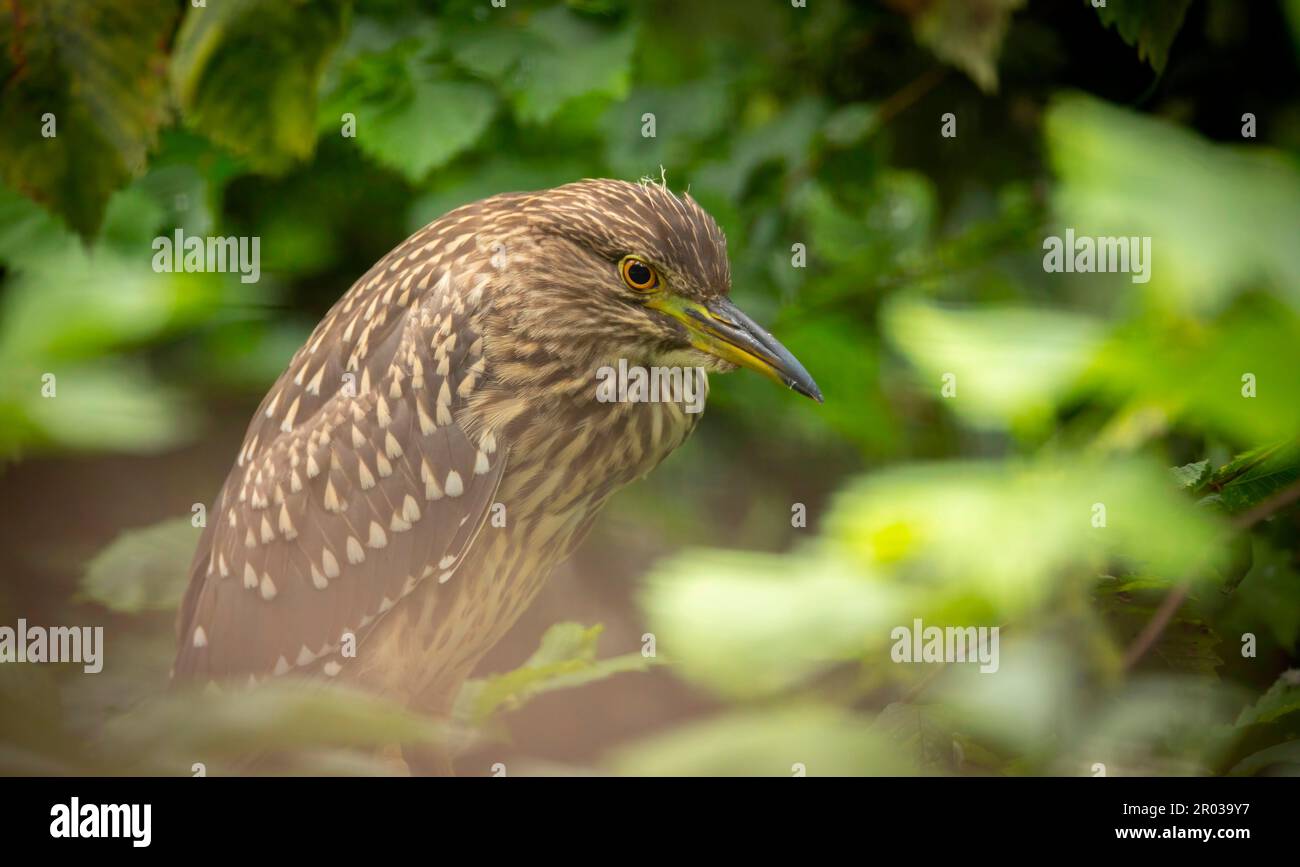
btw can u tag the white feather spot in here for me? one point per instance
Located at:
(391, 446)
(332, 503)
(313, 387)
(454, 486)
(286, 523)
(287, 424)
(410, 509)
(426, 424)
(431, 489)
(355, 554)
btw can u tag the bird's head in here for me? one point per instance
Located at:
(634, 271)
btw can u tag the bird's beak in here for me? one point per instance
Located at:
(720, 328)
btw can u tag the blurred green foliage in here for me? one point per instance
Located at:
(997, 405)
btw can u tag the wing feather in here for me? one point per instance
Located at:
(355, 484)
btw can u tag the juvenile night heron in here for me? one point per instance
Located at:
(454, 382)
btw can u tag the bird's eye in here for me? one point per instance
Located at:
(638, 275)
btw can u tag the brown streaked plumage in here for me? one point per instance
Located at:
(456, 381)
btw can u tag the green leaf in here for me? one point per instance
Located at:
(78, 303)
(780, 742)
(1266, 603)
(67, 309)
(1187, 644)
(98, 69)
(1232, 376)
(850, 124)
(565, 658)
(29, 234)
(968, 34)
(1278, 760)
(684, 116)
(1273, 720)
(1150, 25)
(799, 619)
(1256, 475)
(1281, 699)
(1008, 365)
(1221, 218)
(414, 121)
(246, 72)
(556, 57)
(145, 569)
(308, 721)
(1191, 475)
(1010, 531)
(111, 405)
(788, 138)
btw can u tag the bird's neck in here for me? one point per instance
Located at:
(590, 425)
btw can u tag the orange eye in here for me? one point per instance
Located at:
(638, 275)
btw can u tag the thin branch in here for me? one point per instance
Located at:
(1262, 510)
(904, 97)
(1151, 633)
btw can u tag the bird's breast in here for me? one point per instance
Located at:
(563, 466)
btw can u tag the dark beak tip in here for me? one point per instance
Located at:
(810, 391)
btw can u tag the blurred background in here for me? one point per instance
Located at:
(886, 174)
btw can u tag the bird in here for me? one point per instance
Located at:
(436, 447)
